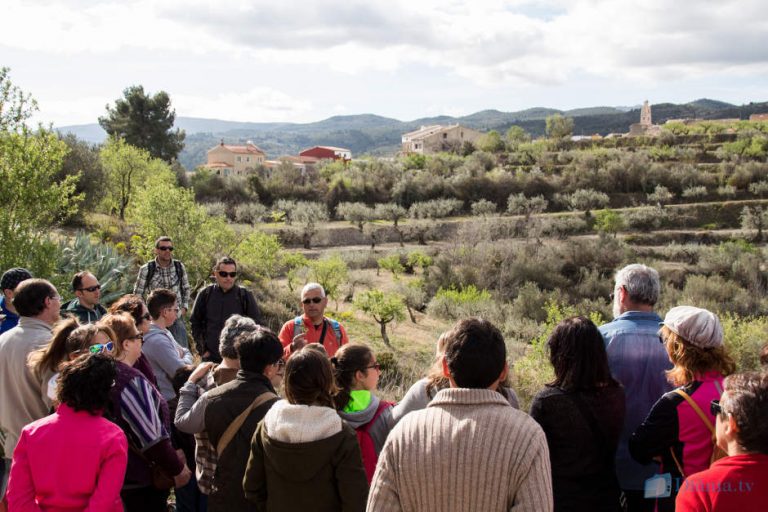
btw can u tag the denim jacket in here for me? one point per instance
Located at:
(638, 361)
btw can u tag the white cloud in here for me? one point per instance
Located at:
(260, 103)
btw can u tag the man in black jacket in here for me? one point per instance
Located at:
(234, 409)
(215, 304)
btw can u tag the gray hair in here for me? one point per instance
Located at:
(313, 286)
(641, 282)
(235, 326)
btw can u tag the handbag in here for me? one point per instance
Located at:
(160, 480)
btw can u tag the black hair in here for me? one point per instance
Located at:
(475, 353)
(577, 354)
(258, 349)
(29, 299)
(158, 300)
(349, 359)
(77, 280)
(181, 376)
(226, 260)
(85, 383)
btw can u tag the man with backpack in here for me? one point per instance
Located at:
(166, 272)
(312, 326)
(215, 304)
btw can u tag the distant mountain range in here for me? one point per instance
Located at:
(377, 135)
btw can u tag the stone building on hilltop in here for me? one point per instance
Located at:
(645, 127)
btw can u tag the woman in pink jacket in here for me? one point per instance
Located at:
(74, 459)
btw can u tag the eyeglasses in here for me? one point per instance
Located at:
(165, 248)
(90, 288)
(101, 347)
(280, 363)
(715, 408)
(374, 366)
(313, 300)
(56, 297)
(138, 336)
(227, 274)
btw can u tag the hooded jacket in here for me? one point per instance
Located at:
(82, 313)
(305, 458)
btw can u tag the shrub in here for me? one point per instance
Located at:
(695, 192)
(216, 209)
(455, 303)
(483, 208)
(250, 213)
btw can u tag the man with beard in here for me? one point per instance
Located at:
(638, 361)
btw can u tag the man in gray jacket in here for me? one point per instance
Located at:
(21, 392)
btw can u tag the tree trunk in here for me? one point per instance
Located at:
(384, 333)
(410, 313)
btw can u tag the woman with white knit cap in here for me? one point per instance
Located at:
(679, 431)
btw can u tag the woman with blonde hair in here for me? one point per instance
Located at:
(70, 340)
(679, 431)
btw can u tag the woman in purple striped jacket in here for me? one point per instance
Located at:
(140, 410)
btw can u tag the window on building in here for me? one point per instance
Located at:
(445, 136)
(238, 159)
(247, 159)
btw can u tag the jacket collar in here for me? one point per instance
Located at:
(468, 396)
(247, 376)
(34, 323)
(638, 315)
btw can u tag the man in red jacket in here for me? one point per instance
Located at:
(739, 482)
(313, 326)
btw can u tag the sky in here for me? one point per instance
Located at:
(304, 61)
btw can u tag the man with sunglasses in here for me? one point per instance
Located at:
(85, 306)
(215, 304)
(312, 326)
(738, 482)
(170, 274)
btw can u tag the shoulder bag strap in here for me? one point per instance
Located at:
(696, 408)
(233, 427)
(325, 329)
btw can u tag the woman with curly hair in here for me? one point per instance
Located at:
(303, 456)
(74, 459)
(679, 431)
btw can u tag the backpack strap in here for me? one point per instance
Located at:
(151, 269)
(383, 406)
(243, 299)
(233, 427)
(336, 329)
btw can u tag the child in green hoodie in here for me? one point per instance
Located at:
(357, 375)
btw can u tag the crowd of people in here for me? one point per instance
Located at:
(108, 409)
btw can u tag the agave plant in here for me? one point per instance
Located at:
(114, 271)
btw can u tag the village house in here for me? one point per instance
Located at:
(327, 152)
(436, 138)
(230, 160)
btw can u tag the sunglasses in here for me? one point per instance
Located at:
(101, 347)
(165, 248)
(313, 300)
(138, 336)
(715, 408)
(90, 288)
(226, 274)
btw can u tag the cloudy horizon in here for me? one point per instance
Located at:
(258, 61)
